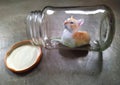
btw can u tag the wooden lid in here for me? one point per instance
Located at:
(30, 54)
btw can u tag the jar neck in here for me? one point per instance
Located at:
(34, 28)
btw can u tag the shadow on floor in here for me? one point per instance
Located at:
(89, 63)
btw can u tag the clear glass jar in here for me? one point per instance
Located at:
(76, 28)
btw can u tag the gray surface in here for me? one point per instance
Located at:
(58, 68)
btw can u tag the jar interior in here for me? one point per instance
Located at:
(53, 24)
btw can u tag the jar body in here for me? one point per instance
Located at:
(48, 27)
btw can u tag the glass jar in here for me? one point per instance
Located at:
(76, 28)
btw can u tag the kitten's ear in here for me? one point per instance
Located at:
(80, 22)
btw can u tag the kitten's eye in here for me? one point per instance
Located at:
(71, 22)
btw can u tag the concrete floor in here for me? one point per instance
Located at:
(56, 68)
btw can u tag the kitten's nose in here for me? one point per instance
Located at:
(65, 22)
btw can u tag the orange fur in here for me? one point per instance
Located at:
(81, 38)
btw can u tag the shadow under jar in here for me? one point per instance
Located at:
(48, 27)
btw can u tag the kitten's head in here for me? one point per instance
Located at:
(72, 24)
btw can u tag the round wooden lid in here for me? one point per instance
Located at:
(22, 57)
